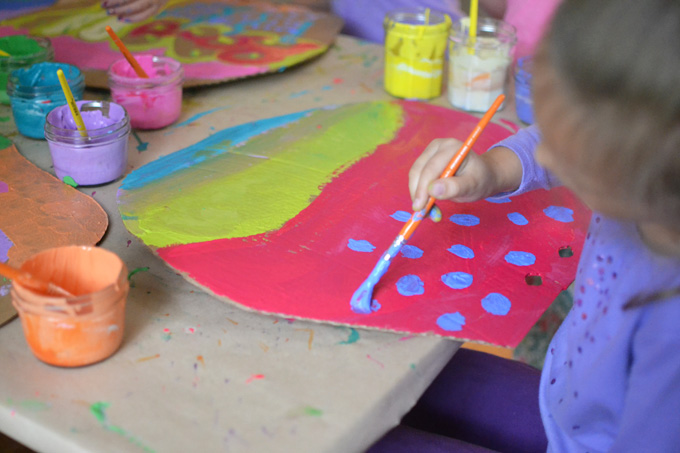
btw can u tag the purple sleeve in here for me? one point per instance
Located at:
(652, 401)
(524, 144)
(364, 18)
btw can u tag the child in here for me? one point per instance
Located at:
(608, 108)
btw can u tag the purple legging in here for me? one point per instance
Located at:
(478, 403)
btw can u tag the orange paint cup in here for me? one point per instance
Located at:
(78, 330)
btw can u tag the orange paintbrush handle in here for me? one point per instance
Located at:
(27, 280)
(451, 169)
(126, 53)
(23, 278)
(9, 272)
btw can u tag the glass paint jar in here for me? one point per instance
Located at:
(478, 67)
(35, 91)
(82, 329)
(96, 158)
(23, 51)
(415, 43)
(524, 103)
(153, 102)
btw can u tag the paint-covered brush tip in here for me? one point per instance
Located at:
(361, 299)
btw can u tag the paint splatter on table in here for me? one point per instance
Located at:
(215, 40)
(289, 215)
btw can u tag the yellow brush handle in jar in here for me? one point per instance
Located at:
(472, 32)
(72, 103)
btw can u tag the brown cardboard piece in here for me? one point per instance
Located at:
(39, 212)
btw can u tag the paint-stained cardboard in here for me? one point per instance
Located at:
(215, 40)
(289, 215)
(39, 212)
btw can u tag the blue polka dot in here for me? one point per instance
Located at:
(520, 258)
(496, 304)
(411, 251)
(401, 216)
(360, 245)
(559, 213)
(457, 280)
(498, 200)
(451, 322)
(464, 219)
(462, 251)
(410, 285)
(517, 218)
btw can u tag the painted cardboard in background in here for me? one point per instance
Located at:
(215, 40)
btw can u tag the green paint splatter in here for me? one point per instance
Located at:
(5, 142)
(353, 337)
(31, 405)
(70, 181)
(313, 412)
(413, 366)
(139, 269)
(4, 119)
(98, 409)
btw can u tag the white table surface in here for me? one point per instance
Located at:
(195, 373)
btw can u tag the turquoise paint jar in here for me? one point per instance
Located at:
(35, 91)
(23, 51)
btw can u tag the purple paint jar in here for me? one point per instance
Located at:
(97, 158)
(524, 103)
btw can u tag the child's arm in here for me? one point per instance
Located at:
(132, 10)
(508, 167)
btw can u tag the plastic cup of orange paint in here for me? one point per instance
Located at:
(79, 330)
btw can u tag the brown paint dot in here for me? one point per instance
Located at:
(565, 252)
(533, 280)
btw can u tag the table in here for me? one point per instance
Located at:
(194, 373)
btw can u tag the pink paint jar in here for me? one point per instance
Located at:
(152, 103)
(81, 329)
(97, 158)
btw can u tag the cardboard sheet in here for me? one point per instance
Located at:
(289, 216)
(37, 211)
(215, 40)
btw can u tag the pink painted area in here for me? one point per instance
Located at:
(3, 187)
(306, 270)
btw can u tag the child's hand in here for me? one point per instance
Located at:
(478, 177)
(132, 10)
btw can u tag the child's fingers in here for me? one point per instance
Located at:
(428, 168)
(415, 173)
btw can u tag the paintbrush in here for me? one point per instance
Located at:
(126, 53)
(362, 297)
(70, 100)
(29, 281)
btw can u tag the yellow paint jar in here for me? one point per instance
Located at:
(415, 43)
